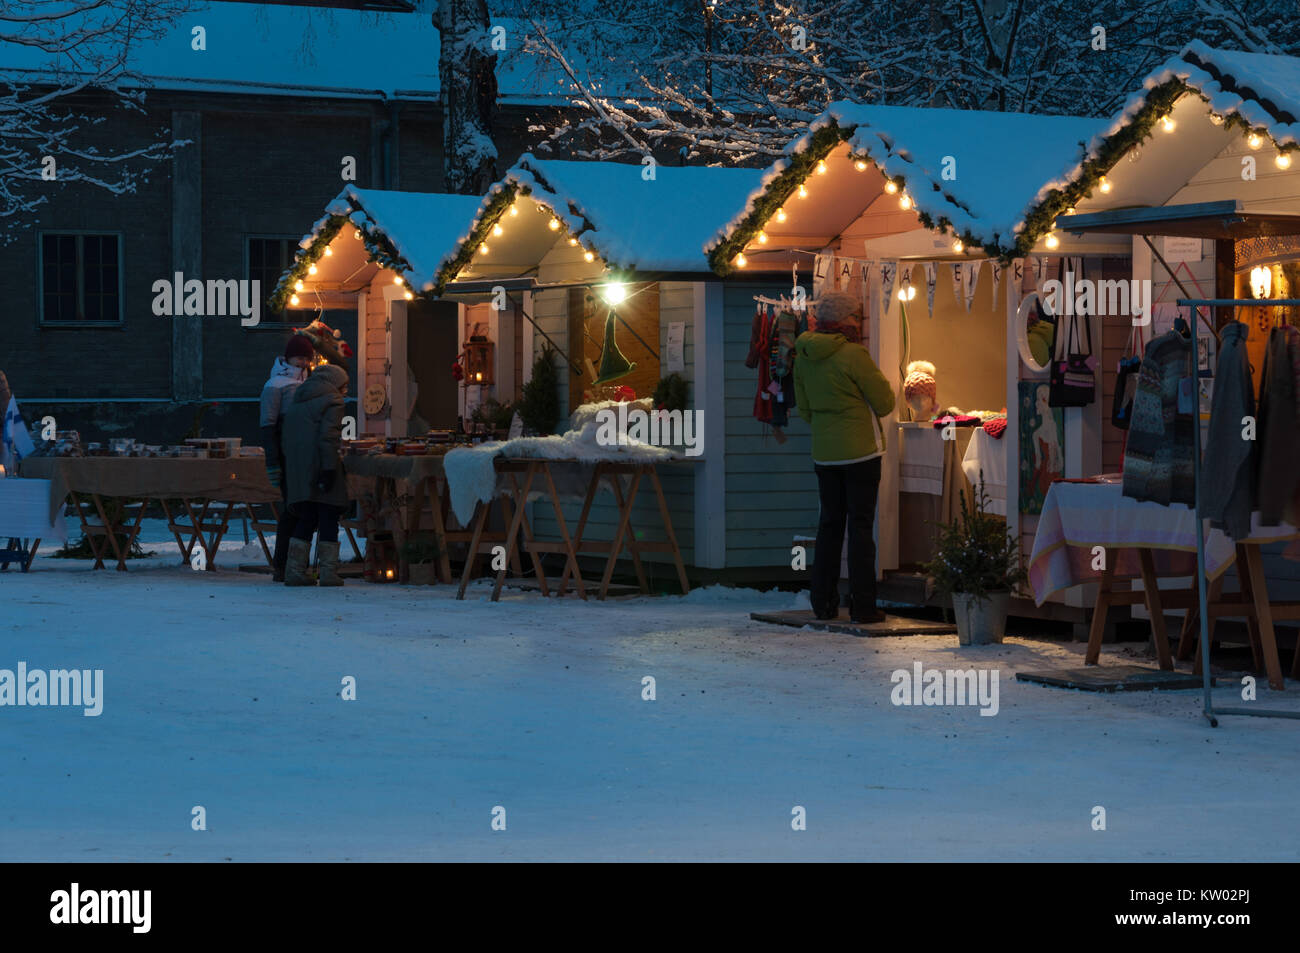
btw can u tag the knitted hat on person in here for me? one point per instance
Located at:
(837, 310)
(328, 342)
(299, 346)
(920, 381)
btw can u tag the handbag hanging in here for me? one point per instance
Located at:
(1072, 382)
(1121, 408)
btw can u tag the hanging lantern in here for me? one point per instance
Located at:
(478, 361)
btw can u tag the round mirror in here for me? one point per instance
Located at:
(1035, 332)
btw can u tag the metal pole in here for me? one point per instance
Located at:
(1202, 598)
(1209, 711)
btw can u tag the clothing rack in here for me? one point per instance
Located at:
(1202, 596)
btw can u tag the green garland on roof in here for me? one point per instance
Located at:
(801, 165)
(496, 207)
(378, 248)
(1040, 221)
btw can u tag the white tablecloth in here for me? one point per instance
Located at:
(1079, 516)
(921, 460)
(25, 511)
(990, 455)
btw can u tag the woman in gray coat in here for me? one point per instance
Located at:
(313, 426)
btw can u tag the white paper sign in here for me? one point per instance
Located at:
(1178, 248)
(675, 355)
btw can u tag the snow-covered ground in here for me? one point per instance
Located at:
(223, 690)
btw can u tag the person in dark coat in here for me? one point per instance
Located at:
(317, 494)
(287, 373)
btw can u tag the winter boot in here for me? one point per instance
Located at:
(327, 560)
(295, 565)
(278, 557)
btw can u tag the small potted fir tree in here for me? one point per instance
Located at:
(977, 563)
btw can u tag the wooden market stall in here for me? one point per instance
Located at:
(1204, 179)
(940, 220)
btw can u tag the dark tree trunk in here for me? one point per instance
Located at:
(467, 76)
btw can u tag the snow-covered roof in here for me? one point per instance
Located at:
(665, 222)
(273, 49)
(1257, 91)
(978, 172)
(412, 233)
(1262, 89)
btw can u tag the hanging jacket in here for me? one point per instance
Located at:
(842, 395)
(313, 428)
(1279, 429)
(1228, 470)
(277, 392)
(1158, 458)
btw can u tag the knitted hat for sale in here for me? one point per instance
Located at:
(328, 342)
(299, 346)
(920, 381)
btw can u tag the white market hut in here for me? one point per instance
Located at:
(958, 205)
(379, 251)
(1204, 163)
(554, 235)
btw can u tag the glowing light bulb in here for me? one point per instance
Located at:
(297, 285)
(803, 193)
(482, 248)
(614, 293)
(860, 166)
(891, 186)
(328, 251)
(398, 279)
(573, 241)
(1254, 140)
(498, 230)
(780, 215)
(821, 167)
(1052, 240)
(311, 269)
(762, 238)
(907, 292)
(514, 209)
(553, 224)
(905, 201)
(741, 261)
(409, 296)
(1070, 210)
(1167, 124)
(356, 233)
(589, 255)
(1104, 184)
(1283, 160)
(293, 299)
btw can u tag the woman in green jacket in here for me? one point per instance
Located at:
(842, 394)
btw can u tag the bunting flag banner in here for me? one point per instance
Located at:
(822, 263)
(1016, 286)
(15, 441)
(956, 281)
(970, 274)
(888, 270)
(931, 278)
(1037, 264)
(995, 272)
(844, 270)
